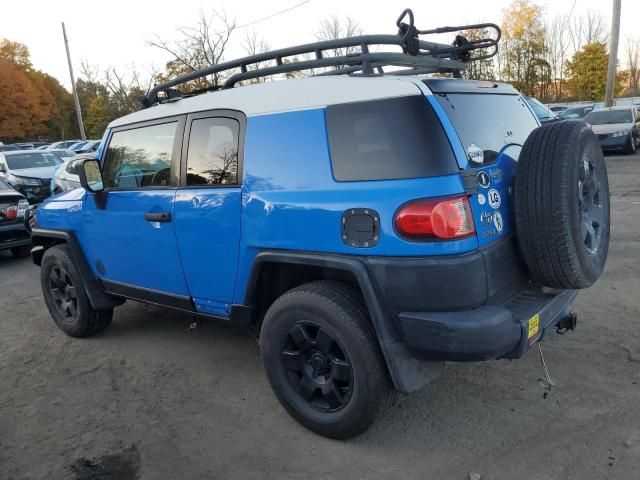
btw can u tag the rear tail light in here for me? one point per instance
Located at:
(11, 213)
(445, 218)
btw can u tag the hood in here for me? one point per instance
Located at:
(610, 128)
(42, 172)
(70, 195)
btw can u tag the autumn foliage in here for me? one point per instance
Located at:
(33, 105)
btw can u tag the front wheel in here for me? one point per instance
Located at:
(323, 361)
(66, 298)
(632, 146)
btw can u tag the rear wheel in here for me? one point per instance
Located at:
(66, 298)
(323, 361)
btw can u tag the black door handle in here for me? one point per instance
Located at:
(158, 217)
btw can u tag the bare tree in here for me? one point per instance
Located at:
(589, 28)
(556, 37)
(125, 91)
(633, 61)
(254, 45)
(332, 27)
(201, 46)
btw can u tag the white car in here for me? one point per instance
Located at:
(66, 176)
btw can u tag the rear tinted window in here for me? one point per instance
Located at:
(490, 122)
(603, 117)
(387, 139)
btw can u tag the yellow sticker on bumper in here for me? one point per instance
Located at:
(534, 326)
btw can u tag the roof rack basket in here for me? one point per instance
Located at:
(417, 56)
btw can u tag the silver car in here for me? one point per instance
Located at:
(66, 177)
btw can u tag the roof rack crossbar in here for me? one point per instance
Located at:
(411, 52)
(361, 62)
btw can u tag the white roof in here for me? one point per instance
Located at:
(282, 96)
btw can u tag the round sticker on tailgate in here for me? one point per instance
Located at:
(494, 198)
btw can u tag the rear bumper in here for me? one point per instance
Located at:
(469, 307)
(14, 235)
(487, 332)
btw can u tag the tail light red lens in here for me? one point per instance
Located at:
(11, 213)
(445, 218)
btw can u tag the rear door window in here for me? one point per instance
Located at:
(388, 139)
(212, 158)
(488, 122)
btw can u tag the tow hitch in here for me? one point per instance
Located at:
(567, 323)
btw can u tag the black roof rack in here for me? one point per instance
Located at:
(417, 57)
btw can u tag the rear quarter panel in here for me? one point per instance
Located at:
(292, 202)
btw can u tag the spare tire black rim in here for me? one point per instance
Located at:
(590, 206)
(63, 293)
(317, 367)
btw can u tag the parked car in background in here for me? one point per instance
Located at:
(43, 147)
(63, 153)
(62, 144)
(558, 108)
(8, 148)
(575, 112)
(543, 113)
(76, 147)
(29, 172)
(618, 128)
(90, 146)
(14, 233)
(66, 177)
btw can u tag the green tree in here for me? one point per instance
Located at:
(523, 50)
(587, 73)
(479, 69)
(98, 115)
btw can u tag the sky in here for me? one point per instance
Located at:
(116, 33)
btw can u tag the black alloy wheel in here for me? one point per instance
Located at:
(590, 206)
(63, 293)
(317, 367)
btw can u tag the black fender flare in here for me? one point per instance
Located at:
(45, 238)
(407, 372)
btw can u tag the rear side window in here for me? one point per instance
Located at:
(140, 157)
(212, 158)
(489, 122)
(388, 139)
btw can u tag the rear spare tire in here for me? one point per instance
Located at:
(562, 205)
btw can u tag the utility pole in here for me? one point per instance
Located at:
(613, 54)
(73, 85)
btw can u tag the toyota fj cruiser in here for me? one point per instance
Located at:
(367, 224)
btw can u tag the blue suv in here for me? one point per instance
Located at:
(367, 226)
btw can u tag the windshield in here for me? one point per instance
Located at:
(21, 161)
(539, 109)
(64, 153)
(604, 117)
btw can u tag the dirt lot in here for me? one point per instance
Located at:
(149, 399)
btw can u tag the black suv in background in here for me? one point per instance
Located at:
(14, 232)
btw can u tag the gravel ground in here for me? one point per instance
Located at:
(148, 399)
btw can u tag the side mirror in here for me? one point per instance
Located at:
(3, 169)
(90, 176)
